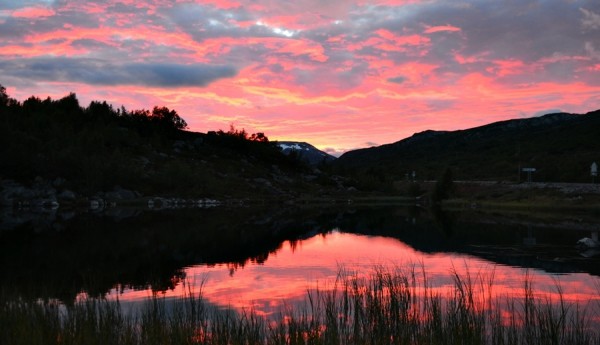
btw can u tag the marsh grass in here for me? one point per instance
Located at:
(385, 307)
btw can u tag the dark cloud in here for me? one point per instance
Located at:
(203, 21)
(99, 72)
(591, 20)
(397, 80)
(276, 68)
(89, 44)
(15, 29)
(529, 31)
(524, 30)
(13, 5)
(316, 80)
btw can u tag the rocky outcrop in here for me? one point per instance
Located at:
(52, 194)
(119, 193)
(41, 193)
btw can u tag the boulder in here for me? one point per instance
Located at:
(67, 195)
(587, 242)
(119, 193)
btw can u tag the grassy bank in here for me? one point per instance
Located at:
(398, 307)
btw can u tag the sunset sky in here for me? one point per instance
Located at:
(338, 74)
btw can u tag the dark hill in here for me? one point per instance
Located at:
(560, 146)
(57, 149)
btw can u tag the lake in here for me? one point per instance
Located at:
(264, 259)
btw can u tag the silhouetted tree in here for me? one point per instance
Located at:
(260, 137)
(234, 132)
(168, 118)
(101, 110)
(3, 96)
(32, 102)
(69, 103)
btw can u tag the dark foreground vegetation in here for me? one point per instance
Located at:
(64, 150)
(388, 307)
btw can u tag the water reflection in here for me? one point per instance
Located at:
(287, 275)
(263, 256)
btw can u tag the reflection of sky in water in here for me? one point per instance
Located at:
(289, 273)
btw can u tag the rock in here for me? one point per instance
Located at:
(59, 181)
(159, 203)
(67, 195)
(97, 204)
(48, 203)
(11, 191)
(208, 203)
(119, 193)
(587, 242)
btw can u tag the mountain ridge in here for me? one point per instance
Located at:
(305, 152)
(503, 145)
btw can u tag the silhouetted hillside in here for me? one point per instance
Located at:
(560, 146)
(58, 149)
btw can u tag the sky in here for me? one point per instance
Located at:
(338, 74)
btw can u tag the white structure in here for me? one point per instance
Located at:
(529, 171)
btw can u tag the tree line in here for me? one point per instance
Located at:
(98, 146)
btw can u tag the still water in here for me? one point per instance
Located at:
(297, 267)
(264, 259)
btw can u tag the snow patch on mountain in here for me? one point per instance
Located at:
(305, 151)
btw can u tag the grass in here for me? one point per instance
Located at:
(386, 307)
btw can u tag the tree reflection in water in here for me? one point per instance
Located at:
(93, 253)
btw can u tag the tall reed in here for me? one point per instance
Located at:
(399, 306)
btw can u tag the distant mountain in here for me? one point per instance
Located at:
(561, 147)
(305, 152)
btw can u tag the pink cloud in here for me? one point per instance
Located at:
(443, 28)
(33, 12)
(503, 68)
(320, 72)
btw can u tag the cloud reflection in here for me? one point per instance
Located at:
(316, 262)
